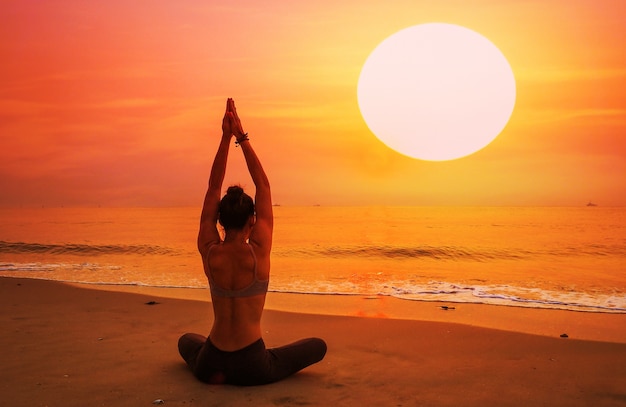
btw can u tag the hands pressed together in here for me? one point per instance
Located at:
(231, 125)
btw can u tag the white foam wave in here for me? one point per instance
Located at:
(513, 296)
(94, 273)
(51, 267)
(482, 294)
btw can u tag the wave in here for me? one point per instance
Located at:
(82, 249)
(512, 296)
(450, 253)
(480, 254)
(434, 291)
(406, 252)
(52, 267)
(110, 284)
(492, 295)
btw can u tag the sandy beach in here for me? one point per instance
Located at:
(70, 345)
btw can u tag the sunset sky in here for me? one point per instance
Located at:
(119, 103)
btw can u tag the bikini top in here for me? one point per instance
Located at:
(256, 287)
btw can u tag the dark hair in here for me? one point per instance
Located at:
(235, 208)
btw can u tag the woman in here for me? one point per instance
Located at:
(238, 270)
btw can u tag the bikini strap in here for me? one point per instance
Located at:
(256, 287)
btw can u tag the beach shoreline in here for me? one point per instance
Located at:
(585, 325)
(73, 345)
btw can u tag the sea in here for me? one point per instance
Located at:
(571, 258)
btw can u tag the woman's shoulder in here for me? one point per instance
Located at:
(260, 249)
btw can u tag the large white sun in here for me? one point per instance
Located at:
(436, 91)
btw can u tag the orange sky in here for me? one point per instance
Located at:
(120, 103)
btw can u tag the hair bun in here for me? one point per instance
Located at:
(234, 190)
(235, 208)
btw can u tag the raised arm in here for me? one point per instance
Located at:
(208, 233)
(261, 234)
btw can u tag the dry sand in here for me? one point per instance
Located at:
(67, 345)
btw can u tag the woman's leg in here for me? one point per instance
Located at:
(253, 365)
(289, 359)
(189, 346)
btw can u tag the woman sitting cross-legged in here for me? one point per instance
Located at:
(238, 270)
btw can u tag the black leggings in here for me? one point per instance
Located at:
(250, 366)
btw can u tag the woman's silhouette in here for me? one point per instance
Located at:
(238, 270)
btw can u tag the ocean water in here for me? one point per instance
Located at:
(565, 258)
